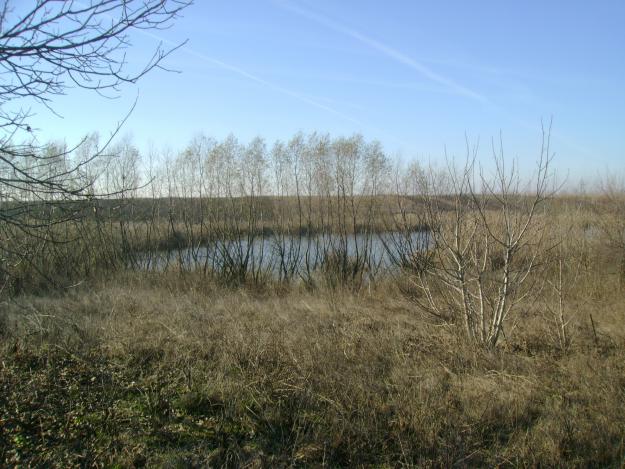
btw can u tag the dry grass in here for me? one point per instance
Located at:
(169, 370)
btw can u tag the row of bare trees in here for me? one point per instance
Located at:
(312, 206)
(315, 208)
(246, 209)
(474, 245)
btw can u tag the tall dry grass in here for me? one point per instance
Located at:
(110, 356)
(172, 370)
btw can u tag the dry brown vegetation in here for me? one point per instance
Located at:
(310, 304)
(501, 344)
(171, 370)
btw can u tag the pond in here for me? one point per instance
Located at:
(291, 256)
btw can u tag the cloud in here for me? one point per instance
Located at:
(280, 89)
(261, 81)
(387, 51)
(422, 69)
(249, 76)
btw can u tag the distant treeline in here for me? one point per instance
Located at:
(314, 208)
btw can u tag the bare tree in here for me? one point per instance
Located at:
(46, 48)
(488, 238)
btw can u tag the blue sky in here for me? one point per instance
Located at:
(415, 75)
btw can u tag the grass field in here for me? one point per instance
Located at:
(172, 370)
(124, 367)
(186, 301)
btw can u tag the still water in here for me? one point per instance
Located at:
(287, 255)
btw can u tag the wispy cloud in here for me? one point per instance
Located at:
(314, 102)
(445, 82)
(387, 51)
(420, 67)
(243, 73)
(254, 78)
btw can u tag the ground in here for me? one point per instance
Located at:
(174, 371)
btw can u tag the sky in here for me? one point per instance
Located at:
(420, 77)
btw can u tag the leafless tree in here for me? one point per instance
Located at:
(488, 236)
(46, 48)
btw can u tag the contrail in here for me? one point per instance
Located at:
(419, 67)
(255, 78)
(249, 76)
(278, 88)
(387, 51)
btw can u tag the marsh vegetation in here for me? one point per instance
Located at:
(313, 303)
(308, 303)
